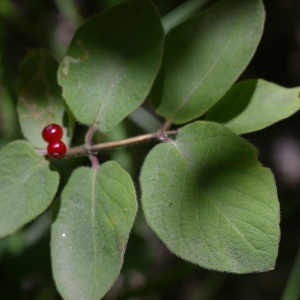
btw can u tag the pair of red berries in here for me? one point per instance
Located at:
(52, 134)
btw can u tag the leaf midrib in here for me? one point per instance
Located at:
(93, 199)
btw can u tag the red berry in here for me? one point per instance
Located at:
(52, 133)
(56, 149)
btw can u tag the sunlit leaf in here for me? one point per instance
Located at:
(204, 56)
(27, 185)
(254, 104)
(111, 63)
(90, 232)
(210, 201)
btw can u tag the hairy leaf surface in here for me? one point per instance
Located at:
(204, 56)
(90, 232)
(27, 185)
(254, 104)
(210, 201)
(111, 63)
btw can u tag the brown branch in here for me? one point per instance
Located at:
(84, 150)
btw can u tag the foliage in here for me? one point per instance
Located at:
(203, 190)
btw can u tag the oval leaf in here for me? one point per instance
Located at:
(111, 63)
(90, 232)
(204, 56)
(40, 101)
(27, 185)
(210, 201)
(254, 104)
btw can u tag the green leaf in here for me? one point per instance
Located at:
(90, 233)
(27, 185)
(111, 63)
(40, 101)
(254, 104)
(210, 201)
(204, 56)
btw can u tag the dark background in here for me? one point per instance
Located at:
(150, 271)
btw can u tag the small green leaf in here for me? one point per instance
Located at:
(90, 233)
(254, 104)
(210, 201)
(111, 63)
(27, 185)
(40, 101)
(204, 56)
